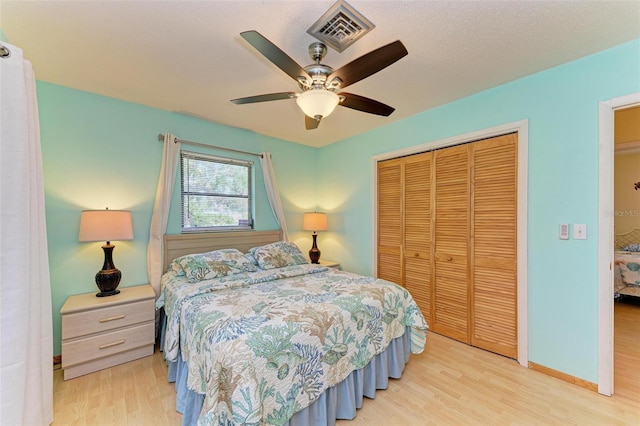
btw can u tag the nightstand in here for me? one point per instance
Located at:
(100, 332)
(330, 264)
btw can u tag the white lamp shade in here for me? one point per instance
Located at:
(314, 222)
(105, 225)
(316, 102)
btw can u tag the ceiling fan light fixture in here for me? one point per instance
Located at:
(317, 102)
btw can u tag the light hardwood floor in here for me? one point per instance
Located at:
(626, 361)
(448, 384)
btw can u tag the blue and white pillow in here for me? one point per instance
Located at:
(278, 255)
(213, 264)
(631, 247)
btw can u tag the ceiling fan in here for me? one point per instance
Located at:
(319, 83)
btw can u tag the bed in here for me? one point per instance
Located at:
(253, 334)
(627, 265)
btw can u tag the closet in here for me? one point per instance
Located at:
(447, 233)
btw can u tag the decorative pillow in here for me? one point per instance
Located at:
(631, 247)
(213, 264)
(251, 258)
(631, 273)
(175, 267)
(278, 255)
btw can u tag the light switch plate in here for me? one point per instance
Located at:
(580, 231)
(563, 233)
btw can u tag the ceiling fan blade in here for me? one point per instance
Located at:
(264, 98)
(310, 123)
(363, 104)
(275, 55)
(369, 63)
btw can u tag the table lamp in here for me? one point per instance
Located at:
(314, 222)
(106, 225)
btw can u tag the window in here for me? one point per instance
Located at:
(216, 193)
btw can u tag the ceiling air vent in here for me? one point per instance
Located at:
(340, 26)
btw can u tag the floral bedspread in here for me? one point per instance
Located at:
(627, 273)
(261, 346)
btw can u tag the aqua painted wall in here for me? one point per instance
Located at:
(101, 152)
(561, 105)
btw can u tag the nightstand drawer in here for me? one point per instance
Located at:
(97, 321)
(102, 345)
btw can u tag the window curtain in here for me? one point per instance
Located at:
(160, 217)
(272, 193)
(26, 332)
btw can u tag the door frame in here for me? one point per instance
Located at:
(522, 128)
(606, 110)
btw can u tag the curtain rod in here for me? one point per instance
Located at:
(161, 139)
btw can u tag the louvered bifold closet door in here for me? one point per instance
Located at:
(451, 296)
(417, 230)
(494, 230)
(390, 220)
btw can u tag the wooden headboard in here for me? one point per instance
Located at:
(626, 238)
(179, 245)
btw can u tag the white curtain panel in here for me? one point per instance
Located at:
(170, 157)
(272, 193)
(26, 338)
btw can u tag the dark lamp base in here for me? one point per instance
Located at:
(108, 278)
(314, 253)
(107, 281)
(314, 256)
(107, 293)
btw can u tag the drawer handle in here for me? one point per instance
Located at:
(449, 259)
(108, 345)
(117, 317)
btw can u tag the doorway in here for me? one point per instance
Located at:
(606, 238)
(626, 221)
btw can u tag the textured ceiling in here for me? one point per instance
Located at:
(188, 57)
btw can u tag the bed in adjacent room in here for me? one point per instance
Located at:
(254, 334)
(627, 264)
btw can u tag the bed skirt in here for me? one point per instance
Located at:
(338, 402)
